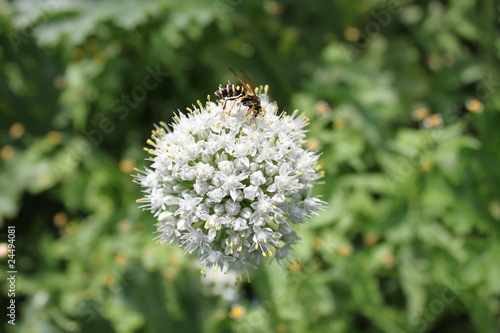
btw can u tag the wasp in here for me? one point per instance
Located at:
(244, 93)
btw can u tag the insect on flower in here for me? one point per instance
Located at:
(244, 93)
(232, 194)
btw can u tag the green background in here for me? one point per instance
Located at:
(410, 239)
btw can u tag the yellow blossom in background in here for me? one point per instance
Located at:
(237, 311)
(371, 239)
(433, 121)
(54, 137)
(474, 105)
(420, 113)
(345, 250)
(352, 34)
(16, 130)
(7, 152)
(322, 108)
(60, 219)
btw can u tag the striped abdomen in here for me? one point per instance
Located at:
(230, 91)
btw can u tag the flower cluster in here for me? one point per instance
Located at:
(230, 187)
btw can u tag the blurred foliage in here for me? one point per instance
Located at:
(404, 104)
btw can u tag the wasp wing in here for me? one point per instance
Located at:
(247, 84)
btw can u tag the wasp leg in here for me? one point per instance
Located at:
(224, 108)
(235, 100)
(230, 109)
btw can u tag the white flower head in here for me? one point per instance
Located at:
(229, 185)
